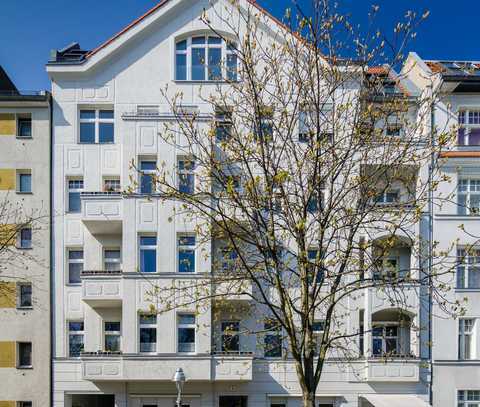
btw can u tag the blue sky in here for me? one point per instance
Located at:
(29, 29)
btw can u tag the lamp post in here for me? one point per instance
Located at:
(179, 380)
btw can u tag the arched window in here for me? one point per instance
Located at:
(205, 58)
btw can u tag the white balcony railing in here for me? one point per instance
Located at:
(102, 212)
(102, 288)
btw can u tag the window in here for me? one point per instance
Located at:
(264, 125)
(148, 333)
(96, 126)
(318, 329)
(24, 127)
(468, 197)
(75, 187)
(305, 126)
(24, 355)
(468, 268)
(186, 254)
(465, 338)
(387, 197)
(386, 268)
(468, 398)
(148, 254)
(186, 176)
(75, 266)
(232, 401)
(147, 177)
(112, 260)
(25, 295)
(111, 185)
(469, 127)
(385, 340)
(24, 404)
(229, 259)
(273, 339)
(223, 125)
(393, 130)
(112, 336)
(230, 336)
(75, 338)
(25, 238)
(24, 180)
(186, 333)
(200, 58)
(314, 261)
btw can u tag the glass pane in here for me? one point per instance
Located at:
(106, 114)
(198, 64)
(231, 67)
(273, 346)
(148, 335)
(25, 357)
(186, 319)
(391, 346)
(148, 165)
(462, 205)
(146, 184)
(105, 133)
(87, 114)
(24, 128)
(87, 132)
(182, 45)
(148, 241)
(75, 326)
(214, 64)
(148, 319)
(74, 271)
(112, 254)
(474, 204)
(460, 277)
(25, 295)
(230, 343)
(186, 241)
(75, 345)
(377, 346)
(214, 40)
(181, 67)
(474, 277)
(198, 40)
(112, 343)
(112, 326)
(75, 254)
(25, 182)
(186, 339)
(26, 238)
(222, 132)
(186, 261)
(187, 183)
(148, 261)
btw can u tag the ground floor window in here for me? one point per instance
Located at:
(468, 398)
(232, 401)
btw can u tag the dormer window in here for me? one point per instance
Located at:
(205, 58)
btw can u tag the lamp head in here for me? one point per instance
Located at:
(179, 379)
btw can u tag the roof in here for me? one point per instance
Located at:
(388, 76)
(455, 68)
(6, 84)
(395, 400)
(73, 54)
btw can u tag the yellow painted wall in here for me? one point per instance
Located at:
(7, 178)
(8, 294)
(7, 354)
(7, 403)
(7, 124)
(8, 235)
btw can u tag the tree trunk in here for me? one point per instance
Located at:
(308, 399)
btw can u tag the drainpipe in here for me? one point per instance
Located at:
(430, 243)
(51, 260)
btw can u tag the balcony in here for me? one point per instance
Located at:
(133, 367)
(102, 289)
(374, 370)
(102, 212)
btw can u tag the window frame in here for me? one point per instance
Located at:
(20, 243)
(79, 333)
(19, 356)
(147, 326)
(182, 248)
(466, 350)
(149, 173)
(116, 334)
(97, 120)
(74, 261)
(189, 326)
(186, 173)
(75, 190)
(19, 295)
(465, 263)
(20, 174)
(465, 401)
(142, 247)
(23, 117)
(384, 338)
(108, 188)
(464, 115)
(227, 51)
(112, 260)
(272, 332)
(233, 333)
(467, 192)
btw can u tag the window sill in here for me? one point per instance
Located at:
(25, 308)
(463, 290)
(24, 192)
(212, 82)
(95, 143)
(73, 284)
(24, 138)
(25, 367)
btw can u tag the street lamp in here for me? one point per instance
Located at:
(179, 380)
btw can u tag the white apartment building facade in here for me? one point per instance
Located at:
(455, 225)
(25, 246)
(108, 349)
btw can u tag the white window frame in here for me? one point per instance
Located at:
(147, 247)
(96, 120)
(111, 180)
(147, 326)
(112, 333)
(112, 260)
(74, 190)
(467, 187)
(384, 337)
(76, 333)
(231, 333)
(188, 247)
(465, 122)
(225, 52)
(20, 245)
(74, 261)
(21, 173)
(142, 172)
(467, 259)
(19, 296)
(466, 332)
(187, 326)
(465, 401)
(186, 171)
(19, 117)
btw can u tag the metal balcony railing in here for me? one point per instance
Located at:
(101, 272)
